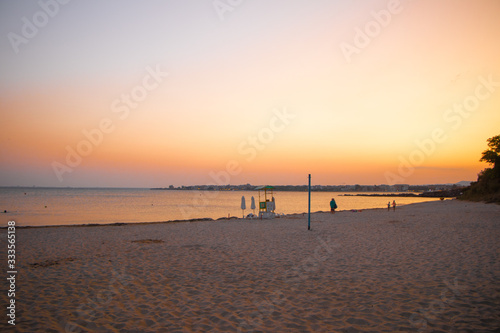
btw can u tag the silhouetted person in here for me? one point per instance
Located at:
(389, 206)
(333, 206)
(394, 205)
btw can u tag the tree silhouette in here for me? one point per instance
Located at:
(487, 187)
(492, 155)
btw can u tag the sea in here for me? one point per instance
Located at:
(76, 206)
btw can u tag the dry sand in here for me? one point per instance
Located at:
(431, 267)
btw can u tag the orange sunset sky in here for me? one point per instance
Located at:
(159, 93)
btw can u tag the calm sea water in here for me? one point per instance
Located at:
(67, 206)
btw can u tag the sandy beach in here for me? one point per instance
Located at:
(430, 267)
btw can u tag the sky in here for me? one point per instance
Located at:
(158, 93)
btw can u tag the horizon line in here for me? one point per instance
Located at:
(148, 187)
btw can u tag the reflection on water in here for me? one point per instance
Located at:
(39, 206)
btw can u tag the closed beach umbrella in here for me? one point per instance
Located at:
(243, 205)
(252, 205)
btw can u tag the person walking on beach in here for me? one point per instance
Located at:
(389, 206)
(394, 205)
(333, 205)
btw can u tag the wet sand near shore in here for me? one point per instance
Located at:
(429, 267)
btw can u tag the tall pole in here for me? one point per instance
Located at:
(309, 209)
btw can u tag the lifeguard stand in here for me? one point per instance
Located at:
(267, 204)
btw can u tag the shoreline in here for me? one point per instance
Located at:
(206, 219)
(81, 208)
